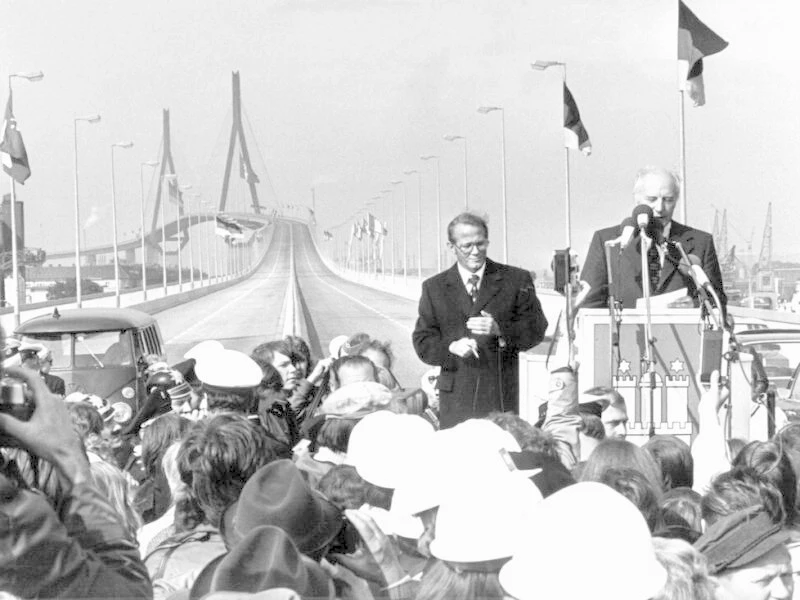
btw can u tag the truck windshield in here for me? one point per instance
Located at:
(91, 350)
(103, 349)
(59, 346)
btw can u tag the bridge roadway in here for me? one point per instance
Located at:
(250, 312)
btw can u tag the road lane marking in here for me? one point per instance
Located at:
(227, 305)
(356, 300)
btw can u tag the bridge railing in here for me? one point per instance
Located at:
(159, 298)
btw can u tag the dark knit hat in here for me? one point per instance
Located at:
(740, 538)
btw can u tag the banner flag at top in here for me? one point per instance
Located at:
(12, 148)
(575, 135)
(695, 40)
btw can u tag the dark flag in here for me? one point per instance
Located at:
(575, 135)
(695, 40)
(12, 148)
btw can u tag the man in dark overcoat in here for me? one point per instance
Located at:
(474, 319)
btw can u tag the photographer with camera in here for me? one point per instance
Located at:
(81, 549)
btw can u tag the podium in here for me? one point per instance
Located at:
(676, 352)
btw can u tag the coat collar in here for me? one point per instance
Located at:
(490, 286)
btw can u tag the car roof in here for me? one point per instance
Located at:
(86, 320)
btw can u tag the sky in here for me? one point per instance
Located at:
(344, 96)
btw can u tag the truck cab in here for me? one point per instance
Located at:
(101, 351)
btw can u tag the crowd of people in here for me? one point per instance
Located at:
(278, 475)
(284, 475)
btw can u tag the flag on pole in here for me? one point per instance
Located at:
(12, 149)
(376, 228)
(541, 65)
(245, 172)
(575, 135)
(695, 40)
(228, 228)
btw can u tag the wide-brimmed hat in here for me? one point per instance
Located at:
(264, 559)
(482, 525)
(384, 445)
(550, 563)
(277, 494)
(448, 462)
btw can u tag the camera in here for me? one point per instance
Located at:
(14, 401)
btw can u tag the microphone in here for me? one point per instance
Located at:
(628, 231)
(643, 215)
(699, 276)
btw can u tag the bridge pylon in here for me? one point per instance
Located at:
(245, 166)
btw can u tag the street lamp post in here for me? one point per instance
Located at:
(453, 138)
(179, 232)
(34, 76)
(191, 240)
(405, 231)
(485, 110)
(438, 212)
(393, 230)
(114, 219)
(419, 220)
(88, 119)
(150, 163)
(169, 178)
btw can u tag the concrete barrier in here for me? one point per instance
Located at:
(157, 301)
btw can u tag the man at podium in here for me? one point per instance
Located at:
(617, 250)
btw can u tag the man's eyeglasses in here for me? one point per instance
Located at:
(468, 248)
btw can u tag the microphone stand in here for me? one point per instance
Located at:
(645, 244)
(614, 313)
(703, 291)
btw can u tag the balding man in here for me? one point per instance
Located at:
(659, 189)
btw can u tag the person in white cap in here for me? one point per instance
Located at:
(54, 383)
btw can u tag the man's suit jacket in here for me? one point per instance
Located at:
(626, 266)
(54, 383)
(472, 387)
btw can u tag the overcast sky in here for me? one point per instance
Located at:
(345, 96)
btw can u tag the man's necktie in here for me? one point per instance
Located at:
(472, 287)
(653, 266)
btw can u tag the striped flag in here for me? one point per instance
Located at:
(12, 149)
(695, 40)
(575, 135)
(228, 228)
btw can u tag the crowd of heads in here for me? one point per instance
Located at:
(327, 476)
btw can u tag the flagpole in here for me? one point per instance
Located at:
(682, 113)
(33, 77)
(568, 213)
(14, 250)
